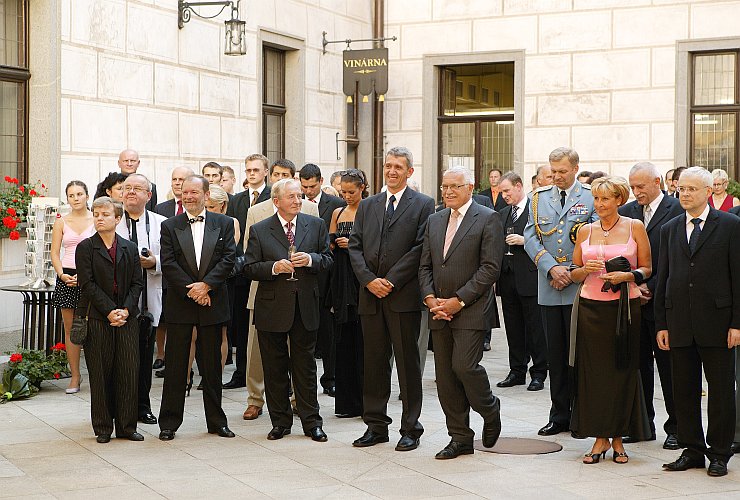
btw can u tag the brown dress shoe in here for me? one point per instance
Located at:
(252, 412)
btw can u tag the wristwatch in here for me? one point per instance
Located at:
(461, 301)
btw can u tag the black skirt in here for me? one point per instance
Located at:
(608, 401)
(66, 297)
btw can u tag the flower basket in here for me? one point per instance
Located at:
(28, 368)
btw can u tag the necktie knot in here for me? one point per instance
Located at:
(255, 195)
(193, 220)
(179, 207)
(696, 222)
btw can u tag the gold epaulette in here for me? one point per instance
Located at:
(540, 232)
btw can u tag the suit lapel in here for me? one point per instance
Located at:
(323, 205)
(210, 237)
(301, 222)
(467, 222)
(683, 241)
(380, 209)
(101, 247)
(438, 231)
(709, 226)
(185, 237)
(659, 215)
(403, 204)
(277, 231)
(119, 249)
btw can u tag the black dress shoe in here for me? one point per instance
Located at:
(551, 429)
(735, 448)
(317, 434)
(671, 442)
(330, 391)
(407, 443)
(511, 380)
(158, 364)
(278, 432)
(370, 438)
(717, 468)
(685, 463)
(347, 415)
(234, 384)
(634, 439)
(159, 373)
(134, 436)
(454, 450)
(103, 438)
(166, 435)
(148, 418)
(486, 346)
(224, 432)
(491, 431)
(536, 384)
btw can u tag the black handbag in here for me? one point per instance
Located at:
(78, 332)
(624, 316)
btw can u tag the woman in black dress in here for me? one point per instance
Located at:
(343, 298)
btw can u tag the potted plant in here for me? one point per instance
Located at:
(28, 368)
(14, 201)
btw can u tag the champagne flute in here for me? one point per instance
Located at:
(509, 230)
(601, 254)
(291, 252)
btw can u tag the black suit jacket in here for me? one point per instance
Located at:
(275, 302)
(735, 210)
(518, 266)
(95, 272)
(469, 269)
(166, 208)
(668, 209)
(397, 260)
(499, 203)
(152, 203)
(697, 298)
(180, 269)
(241, 203)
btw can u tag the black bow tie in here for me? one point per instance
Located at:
(200, 218)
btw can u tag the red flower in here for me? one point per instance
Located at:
(8, 179)
(14, 180)
(33, 192)
(16, 358)
(59, 216)
(59, 347)
(56, 375)
(11, 211)
(14, 235)
(15, 201)
(9, 222)
(44, 187)
(22, 189)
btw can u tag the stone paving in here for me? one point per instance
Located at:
(48, 450)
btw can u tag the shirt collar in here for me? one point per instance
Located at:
(398, 195)
(464, 209)
(703, 216)
(191, 216)
(522, 204)
(656, 202)
(317, 199)
(568, 190)
(283, 222)
(259, 189)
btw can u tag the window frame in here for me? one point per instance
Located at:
(271, 109)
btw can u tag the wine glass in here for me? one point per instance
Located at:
(601, 254)
(509, 230)
(291, 251)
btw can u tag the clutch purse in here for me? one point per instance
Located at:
(617, 263)
(78, 332)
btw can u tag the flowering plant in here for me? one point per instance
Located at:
(28, 368)
(14, 201)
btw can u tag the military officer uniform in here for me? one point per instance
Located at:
(554, 220)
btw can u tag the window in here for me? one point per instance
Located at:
(715, 110)
(352, 140)
(14, 76)
(476, 128)
(273, 105)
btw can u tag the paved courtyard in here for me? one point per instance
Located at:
(48, 450)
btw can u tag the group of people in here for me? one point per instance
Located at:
(595, 291)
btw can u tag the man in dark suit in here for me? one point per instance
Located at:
(311, 182)
(198, 254)
(257, 190)
(214, 173)
(698, 319)
(736, 441)
(460, 262)
(493, 193)
(128, 163)
(654, 209)
(517, 287)
(384, 249)
(287, 308)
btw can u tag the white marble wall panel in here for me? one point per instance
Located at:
(328, 145)
(412, 114)
(313, 145)
(575, 31)
(151, 32)
(392, 115)
(239, 137)
(80, 71)
(66, 9)
(530, 111)
(573, 109)
(715, 19)
(249, 104)
(245, 65)
(200, 135)
(419, 39)
(611, 70)
(604, 4)
(664, 66)
(404, 79)
(514, 7)
(292, 18)
(643, 105)
(654, 26)
(65, 125)
(219, 94)
(444, 10)
(175, 87)
(98, 127)
(98, 23)
(200, 44)
(511, 33)
(539, 142)
(152, 131)
(613, 142)
(547, 74)
(79, 168)
(407, 11)
(662, 140)
(125, 79)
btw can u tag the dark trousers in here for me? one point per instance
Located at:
(350, 372)
(240, 329)
(462, 383)
(326, 343)
(112, 357)
(556, 320)
(524, 331)
(279, 363)
(177, 350)
(651, 355)
(386, 333)
(146, 353)
(719, 370)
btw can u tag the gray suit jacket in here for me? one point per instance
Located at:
(470, 268)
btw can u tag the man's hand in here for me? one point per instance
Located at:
(199, 291)
(432, 302)
(342, 242)
(447, 308)
(560, 277)
(647, 295)
(662, 338)
(514, 239)
(300, 259)
(283, 266)
(733, 338)
(148, 262)
(379, 287)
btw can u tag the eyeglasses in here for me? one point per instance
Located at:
(136, 189)
(453, 187)
(687, 189)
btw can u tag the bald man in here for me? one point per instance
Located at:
(128, 163)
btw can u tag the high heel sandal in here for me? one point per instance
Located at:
(617, 455)
(74, 390)
(595, 457)
(190, 383)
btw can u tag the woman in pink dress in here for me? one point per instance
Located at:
(609, 403)
(68, 231)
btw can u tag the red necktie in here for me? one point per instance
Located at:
(179, 207)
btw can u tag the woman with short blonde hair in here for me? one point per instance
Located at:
(721, 199)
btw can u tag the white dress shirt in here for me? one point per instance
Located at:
(690, 225)
(197, 229)
(258, 190)
(284, 224)
(462, 211)
(653, 207)
(315, 200)
(398, 196)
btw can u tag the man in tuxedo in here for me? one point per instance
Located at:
(257, 190)
(287, 307)
(168, 209)
(384, 249)
(654, 209)
(736, 441)
(198, 254)
(255, 374)
(128, 163)
(460, 262)
(517, 287)
(698, 320)
(493, 193)
(311, 182)
(142, 227)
